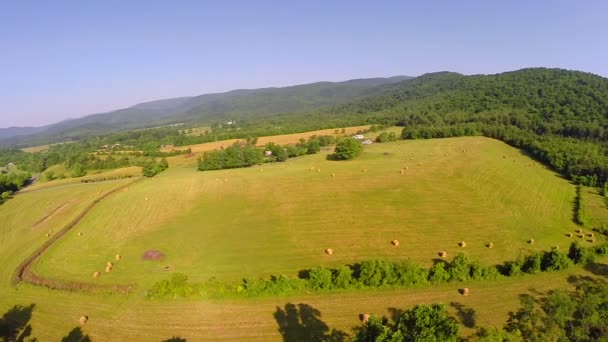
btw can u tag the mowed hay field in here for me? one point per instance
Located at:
(278, 219)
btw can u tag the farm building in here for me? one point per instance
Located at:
(367, 142)
(358, 136)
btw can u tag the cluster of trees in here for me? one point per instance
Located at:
(421, 323)
(152, 167)
(578, 315)
(12, 182)
(245, 154)
(346, 149)
(383, 273)
(386, 137)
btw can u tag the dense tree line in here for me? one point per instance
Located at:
(245, 153)
(383, 273)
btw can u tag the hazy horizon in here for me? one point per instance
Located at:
(71, 59)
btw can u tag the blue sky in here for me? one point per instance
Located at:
(61, 59)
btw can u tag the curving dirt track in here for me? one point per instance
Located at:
(24, 272)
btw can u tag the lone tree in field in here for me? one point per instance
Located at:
(346, 149)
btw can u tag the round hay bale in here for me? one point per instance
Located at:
(580, 236)
(96, 274)
(83, 320)
(364, 170)
(333, 175)
(462, 244)
(590, 235)
(531, 241)
(443, 254)
(108, 269)
(167, 268)
(329, 251)
(569, 235)
(402, 171)
(364, 317)
(395, 243)
(318, 170)
(47, 234)
(109, 264)
(490, 245)
(406, 167)
(117, 257)
(580, 231)
(465, 291)
(79, 233)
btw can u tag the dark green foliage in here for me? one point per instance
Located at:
(556, 261)
(374, 330)
(425, 323)
(579, 207)
(579, 254)
(346, 149)
(428, 323)
(11, 183)
(580, 315)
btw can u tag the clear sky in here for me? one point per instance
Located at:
(61, 59)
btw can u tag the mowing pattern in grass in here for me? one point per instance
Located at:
(278, 219)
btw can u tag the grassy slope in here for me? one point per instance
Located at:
(181, 207)
(279, 218)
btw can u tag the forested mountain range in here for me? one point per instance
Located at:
(233, 105)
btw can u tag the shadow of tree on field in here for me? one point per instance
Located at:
(175, 339)
(395, 314)
(76, 335)
(598, 269)
(14, 324)
(303, 323)
(467, 316)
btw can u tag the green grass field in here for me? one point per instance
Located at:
(278, 219)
